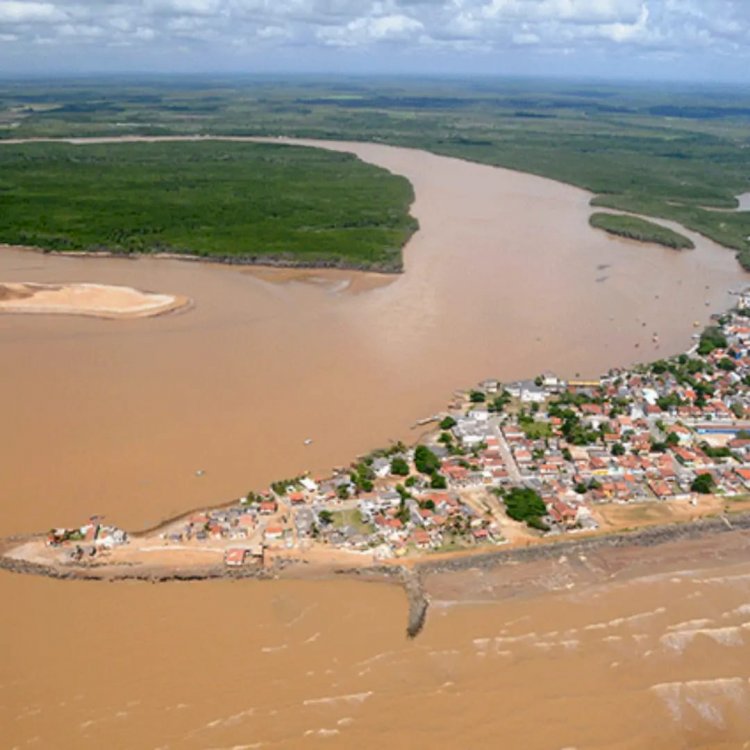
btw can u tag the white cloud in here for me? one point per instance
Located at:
(16, 12)
(387, 28)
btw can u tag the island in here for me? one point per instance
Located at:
(217, 200)
(635, 228)
(519, 471)
(94, 300)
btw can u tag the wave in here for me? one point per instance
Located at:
(332, 700)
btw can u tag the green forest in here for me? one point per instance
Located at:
(229, 201)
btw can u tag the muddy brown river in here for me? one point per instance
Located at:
(504, 279)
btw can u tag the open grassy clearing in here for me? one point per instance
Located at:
(230, 201)
(641, 230)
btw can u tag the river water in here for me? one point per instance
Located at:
(504, 279)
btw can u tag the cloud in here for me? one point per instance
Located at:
(382, 31)
(16, 12)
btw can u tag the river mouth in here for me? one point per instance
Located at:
(504, 279)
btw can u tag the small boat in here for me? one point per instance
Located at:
(307, 441)
(200, 472)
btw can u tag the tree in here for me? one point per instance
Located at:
(703, 484)
(399, 467)
(712, 338)
(673, 439)
(447, 423)
(437, 482)
(477, 397)
(425, 460)
(342, 492)
(499, 403)
(524, 504)
(326, 517)
(618, 449)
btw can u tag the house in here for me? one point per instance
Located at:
(744, 475)
(381, 467)
(234, 557)
(420, 539)
(480, 536)
(267, 507)
(309, 484)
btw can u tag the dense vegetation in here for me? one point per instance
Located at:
(524, 504)
(226, 200)
(639, 229)
(711, 338)
(669, 151)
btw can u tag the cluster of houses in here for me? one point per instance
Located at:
(666, 431)
(88, 540)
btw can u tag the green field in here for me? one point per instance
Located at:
(231, 201)
(667, 150)
(634, 228)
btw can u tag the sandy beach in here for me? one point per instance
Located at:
(95, 300)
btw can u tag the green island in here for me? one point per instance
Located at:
(641, 230)
(236, 202)
(673, 151)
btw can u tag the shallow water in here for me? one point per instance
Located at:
(504, 279)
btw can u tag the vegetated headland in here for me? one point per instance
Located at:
(514, 472)
(220, 201)
(634, 228)
(669, 151)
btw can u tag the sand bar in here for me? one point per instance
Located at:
(97, 300)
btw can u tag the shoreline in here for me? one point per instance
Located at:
(422, 579)
(227, 260)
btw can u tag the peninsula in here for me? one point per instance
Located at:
(639, 456)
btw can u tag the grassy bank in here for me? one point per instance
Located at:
(232, 201)
(641, 230)
(666, 151)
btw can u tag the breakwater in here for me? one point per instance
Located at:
(647, 537)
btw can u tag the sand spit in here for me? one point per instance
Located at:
(97, 300)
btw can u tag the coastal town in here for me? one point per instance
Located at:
(506, 464)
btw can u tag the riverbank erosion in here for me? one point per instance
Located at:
(467, 578)
(94, 300)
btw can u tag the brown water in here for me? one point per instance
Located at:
(504, 279)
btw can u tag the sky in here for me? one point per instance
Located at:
(701, 40)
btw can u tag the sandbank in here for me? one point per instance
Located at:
(96, 300)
